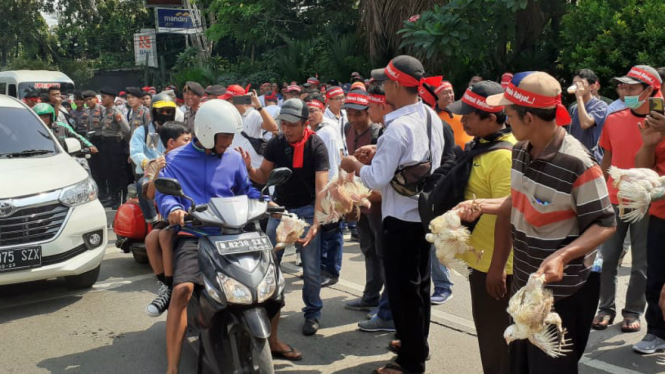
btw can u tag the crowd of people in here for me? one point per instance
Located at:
(542, 202)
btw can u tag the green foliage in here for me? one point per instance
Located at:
(190, 67)
(610, 36)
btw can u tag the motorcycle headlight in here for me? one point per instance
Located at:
(212, 291)
(235, 292)
(80, 193)
(267, 286)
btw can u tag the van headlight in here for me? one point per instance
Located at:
(267, 286)
(235, 292)
(80, 193)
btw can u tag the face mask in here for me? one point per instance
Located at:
(633, 102)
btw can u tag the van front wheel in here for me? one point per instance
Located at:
(85, 280)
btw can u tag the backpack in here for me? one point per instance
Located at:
(444, 189)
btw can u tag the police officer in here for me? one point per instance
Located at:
(138, 115)
(79, 114)
(92, 120)
(193, 93)
(114, 130)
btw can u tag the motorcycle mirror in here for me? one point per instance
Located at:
(278, 176)
(201, 208)
(168, 186)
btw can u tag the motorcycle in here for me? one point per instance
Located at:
(240, 274)
(130, 227)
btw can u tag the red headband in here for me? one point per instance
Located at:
(400, 77)
(645, 77)
(334, 92)
(533, 100)
(354, 98)
(377, 99)
(316, 104)
(443, 86)
(479, 102)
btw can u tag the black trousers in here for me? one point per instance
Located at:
(577, 313)
(114, 162)
(96, 163)
(407, 276)
(655, 275)
(491, 320)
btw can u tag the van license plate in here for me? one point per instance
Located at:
(19, 258)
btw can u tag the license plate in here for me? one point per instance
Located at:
(19, 258)
(243, 245)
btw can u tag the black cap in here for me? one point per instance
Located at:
(216, 90)
(406, 64)
(88, 94)
(78, 95)
(195, 88)
(135, 91)
(293, 110)
(357, 99)
(482, 88)
(109, 91)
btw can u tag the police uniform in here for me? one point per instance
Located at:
(136, 118)
(114, 131)
(92, 120)
(79, 115)
(190, 115)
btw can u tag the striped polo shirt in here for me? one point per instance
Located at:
(556, 196)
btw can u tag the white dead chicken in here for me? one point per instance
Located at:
(289, 230)
(451, 238)
(532, 311)
(637, 189)
(340, 196)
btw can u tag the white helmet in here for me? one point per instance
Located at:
(216, 117)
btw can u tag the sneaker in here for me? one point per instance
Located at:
(376, 324)
(298, 260)
(354, 236)
(161, 303)
(650, 344)
(373, 312)
(440, 296)
(360, 304)
(329, 281)
(310, 327)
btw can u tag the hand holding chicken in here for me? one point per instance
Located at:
(451, 238)
(637, 189)
(342, 195)
(289, 230)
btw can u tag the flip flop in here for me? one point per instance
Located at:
(283, 354)
(629, 320)
(393, 366)
(394, 348)
(602, 320)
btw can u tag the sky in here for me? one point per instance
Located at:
(50, 19)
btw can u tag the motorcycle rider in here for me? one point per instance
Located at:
(145, 146)
(205, 168)
(61, 130)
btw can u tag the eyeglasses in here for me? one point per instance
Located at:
(339, 98)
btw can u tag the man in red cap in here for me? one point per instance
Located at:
(414, 135)
(335, 99)
(446, 96)
(558, 213)
(312, 83)
(292, 91)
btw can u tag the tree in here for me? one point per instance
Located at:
(610, 36)
(22, 26)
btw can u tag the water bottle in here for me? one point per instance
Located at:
(597, 266)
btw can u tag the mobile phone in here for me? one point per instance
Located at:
(244, 99)
(152, 140)
(656, 105)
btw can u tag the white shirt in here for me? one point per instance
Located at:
(179, 115)
(339, 123)
(333, 141)
(404, 142)
(251, 125)
(273, 110)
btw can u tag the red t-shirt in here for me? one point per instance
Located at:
(621, 136)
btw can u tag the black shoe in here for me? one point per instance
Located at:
(116, 203)
(329, 281)
(108, 203)
(161, 303)
(310, 327)
(354, 236)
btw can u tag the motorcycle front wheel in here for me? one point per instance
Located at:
(261, 356)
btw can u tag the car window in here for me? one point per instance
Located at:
(42, 87)
(22, 131)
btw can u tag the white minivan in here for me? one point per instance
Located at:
(17, 83)
(51, 222)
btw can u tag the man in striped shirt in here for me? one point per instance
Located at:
(556, 216)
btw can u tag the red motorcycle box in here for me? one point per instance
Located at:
(129, 221)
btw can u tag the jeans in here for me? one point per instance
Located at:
(440, 274)
(147, 206)
(655, 276)
(311, 262)
(332, 244)
(611, 252)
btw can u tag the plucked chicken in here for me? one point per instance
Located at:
(289, 230)
(531, 309)
(451, 238)
(637, 189)
(341, 196)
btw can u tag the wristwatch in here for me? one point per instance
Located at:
(259, 109)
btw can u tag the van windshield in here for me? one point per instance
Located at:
(23, 135)
(42, 87)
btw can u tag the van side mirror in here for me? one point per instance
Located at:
(72, 145)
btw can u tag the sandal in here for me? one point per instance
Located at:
(602, 320)
(284, 355)
(628, 321)
(392, 366)
(395, 345)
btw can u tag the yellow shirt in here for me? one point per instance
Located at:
(490, 178)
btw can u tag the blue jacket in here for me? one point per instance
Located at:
(204, 176)
(138, 149)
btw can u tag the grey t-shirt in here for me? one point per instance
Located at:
(589, 137)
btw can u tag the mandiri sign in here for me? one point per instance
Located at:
(178, 21)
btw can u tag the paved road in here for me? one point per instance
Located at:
(47, 328)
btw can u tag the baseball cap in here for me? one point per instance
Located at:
(475, 97)
(505, 79)
(293, 87)
(215, 90)
(195, 88)
(293, 110)
(334, 91)
(109, 91)
(405, 70)
(357, 99)
(444, 85)
(641, 74)
(533, 89)
(233, 90)
(311, 81)
(346, 87)
(359, 85)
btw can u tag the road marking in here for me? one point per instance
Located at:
(604, 366)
